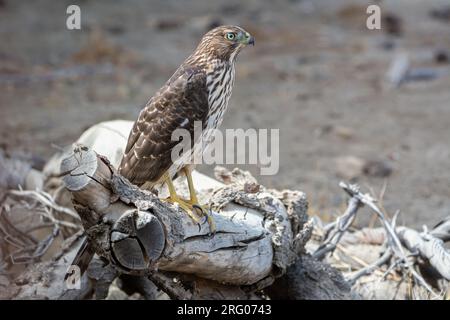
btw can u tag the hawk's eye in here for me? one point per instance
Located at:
(230, 36)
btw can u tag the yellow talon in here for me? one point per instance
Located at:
(195, 204)
(192, 205)
(173, 198)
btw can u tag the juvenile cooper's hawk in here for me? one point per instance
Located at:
(198, 91)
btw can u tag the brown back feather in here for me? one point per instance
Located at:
(148, 153)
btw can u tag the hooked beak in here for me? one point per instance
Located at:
(248, 39)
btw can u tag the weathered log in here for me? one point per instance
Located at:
(311, 279)
(124, 225)
(88, 180)
(430, 246)
(139, 233)
(45, 280)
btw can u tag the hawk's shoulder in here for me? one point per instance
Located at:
(193, 77)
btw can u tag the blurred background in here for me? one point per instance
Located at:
(369, 106)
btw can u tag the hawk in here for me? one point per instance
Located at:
(199, 90)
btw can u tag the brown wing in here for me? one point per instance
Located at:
(183, 100)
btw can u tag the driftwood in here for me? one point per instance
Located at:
(310, 279)
(135, 245)
(408, 255)
(139, 233)
(260, 233)
(428, 245)
(254, 246)
(400, 72)
(45, 280)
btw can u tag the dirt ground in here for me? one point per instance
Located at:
(316, 73)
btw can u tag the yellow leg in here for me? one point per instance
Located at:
(193, 201)
(173, 198)
(192, 193)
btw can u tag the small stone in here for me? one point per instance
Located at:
(441, 56)
(345, 133)
(116, 29)
(442, 13)
(387, 44)
(167, 24)
(323, 130)
(377, 168)
(392, 24)
(349, 167)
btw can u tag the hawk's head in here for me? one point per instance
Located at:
(224, 42)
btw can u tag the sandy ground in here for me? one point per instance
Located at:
(316, 73)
